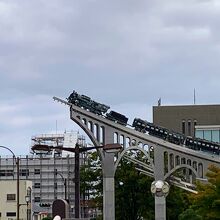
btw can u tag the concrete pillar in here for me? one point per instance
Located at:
(160, 208)
(108, 187)
(108, 198)
(160, 201)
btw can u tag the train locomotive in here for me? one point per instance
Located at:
(87, 103)
(175, 137)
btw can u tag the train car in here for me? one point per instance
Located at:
(117, 117)
(99, 108)
(158, 131)
(139, 125)
(175, 137)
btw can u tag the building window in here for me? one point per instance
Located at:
(37, 199)
(194, 127)
(36, 171)
(9, 173)
(24, 172)
(183, 127)
(215, 135)
(2, 172)
(10, 197)
(199, 134)
(195, 123)
(6, 173)
(36, 185)
(189, 128)
(10, 214)
(208, 135)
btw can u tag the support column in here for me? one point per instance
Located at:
(108, 187)
(160, 202)
(108, 198)
(77, 183)
(160, 208)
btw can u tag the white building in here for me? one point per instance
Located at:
(47, 171)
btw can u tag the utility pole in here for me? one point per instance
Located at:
(77, 182)
(18, 191)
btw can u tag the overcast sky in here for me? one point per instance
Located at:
(124, 53)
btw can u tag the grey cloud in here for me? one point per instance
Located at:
(123, 53)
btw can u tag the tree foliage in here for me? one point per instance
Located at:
(176, 202)
(207, 201)
(189, 214)
(133, 198)
(91, 180)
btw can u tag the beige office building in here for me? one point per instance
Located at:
(187, 119)
(8, 199)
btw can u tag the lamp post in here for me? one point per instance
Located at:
(18, 176)
(64, 182)
(28, 201)
(77, 150)
(160, 190)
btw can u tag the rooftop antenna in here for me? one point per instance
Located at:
(56, 126)
(194, 98)
(159, 102)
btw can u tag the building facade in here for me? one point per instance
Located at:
(8, 199)
(51, 173)
(47, 175)
(186, 119)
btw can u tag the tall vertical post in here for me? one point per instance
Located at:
(65, 188)
(18, 191)
(108, 187)
(160, 202)
(27, 212)
(160, 208)
(77, 180)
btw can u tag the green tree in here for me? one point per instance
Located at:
(207, 201)
(177, 201)
(91, 180)
(189, 214)
(133, 198)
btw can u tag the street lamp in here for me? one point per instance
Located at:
(64, 182)
(160, 190)
(108, 148)
(18, 176)
(28, 202)
(27, 199)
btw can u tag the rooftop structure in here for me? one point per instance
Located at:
(184, 118)
(67, 139)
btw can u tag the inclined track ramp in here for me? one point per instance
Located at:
(145, 137)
